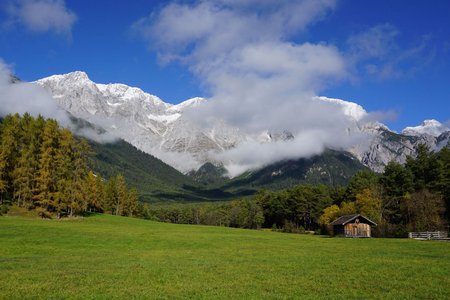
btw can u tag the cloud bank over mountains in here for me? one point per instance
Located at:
(257, 75)
(262, 76)
(22, 97)
(255, 60)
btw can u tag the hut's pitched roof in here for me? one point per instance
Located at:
(348, 218)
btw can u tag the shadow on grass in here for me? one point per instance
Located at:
(90, 214)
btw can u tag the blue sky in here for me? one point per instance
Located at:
(397, 52)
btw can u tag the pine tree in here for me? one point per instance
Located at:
(121, 190)
(110, 195)
(426, 168)
(64, 174)
(23, 177)
(95, 192)
(444, 158)
(25, 171)
(8, 152)
(132, 201)
(361, 180)
(79, 173)
(116, 195)
(46, 183)
(71, 173)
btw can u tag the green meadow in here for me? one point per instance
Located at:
(108, 257)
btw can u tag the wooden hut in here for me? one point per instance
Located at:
(352, 226)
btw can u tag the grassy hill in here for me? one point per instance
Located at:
(105, 257)
(152, 177)
(155, 180)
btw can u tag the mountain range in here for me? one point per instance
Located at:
(166, 131)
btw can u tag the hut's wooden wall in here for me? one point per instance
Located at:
(357, 230)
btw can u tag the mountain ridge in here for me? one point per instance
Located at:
(163, 130)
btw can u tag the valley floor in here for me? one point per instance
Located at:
(104, 257)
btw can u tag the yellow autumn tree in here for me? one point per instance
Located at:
(368, 203)
(329, 214)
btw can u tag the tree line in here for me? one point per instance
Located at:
(292, 210)
(410, 197)
(242, 213)
(45, 168)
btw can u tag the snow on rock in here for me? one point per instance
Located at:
(163, 129)
(190, 103)
(430, 127)
(142, 119)
(165, 118)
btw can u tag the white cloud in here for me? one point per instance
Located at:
(376, 42)
(42, 15)
(308, 142)
(25, 97)
(379, 54)
(260, 77)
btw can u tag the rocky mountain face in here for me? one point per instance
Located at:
(165, 131)
(143, 120)
(385, 146)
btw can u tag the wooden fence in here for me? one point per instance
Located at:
(428, 235)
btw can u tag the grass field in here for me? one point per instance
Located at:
(104, 257)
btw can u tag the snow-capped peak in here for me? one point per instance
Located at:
(193, 102)
(76, 76)
(167, 131)
(432, 122)
(431, 127)
(128, 93)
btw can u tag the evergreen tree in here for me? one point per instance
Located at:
(397, 182)
(426, 169)
(45, 167)
(23, 177)
(46, 183)
(121, 193)
(444, 185)
(8, 152)
(74, 171)
(131, 203)
(25, 172)
(95, 192)
(361, 180)
(118, 200)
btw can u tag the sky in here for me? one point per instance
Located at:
(391, 57)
